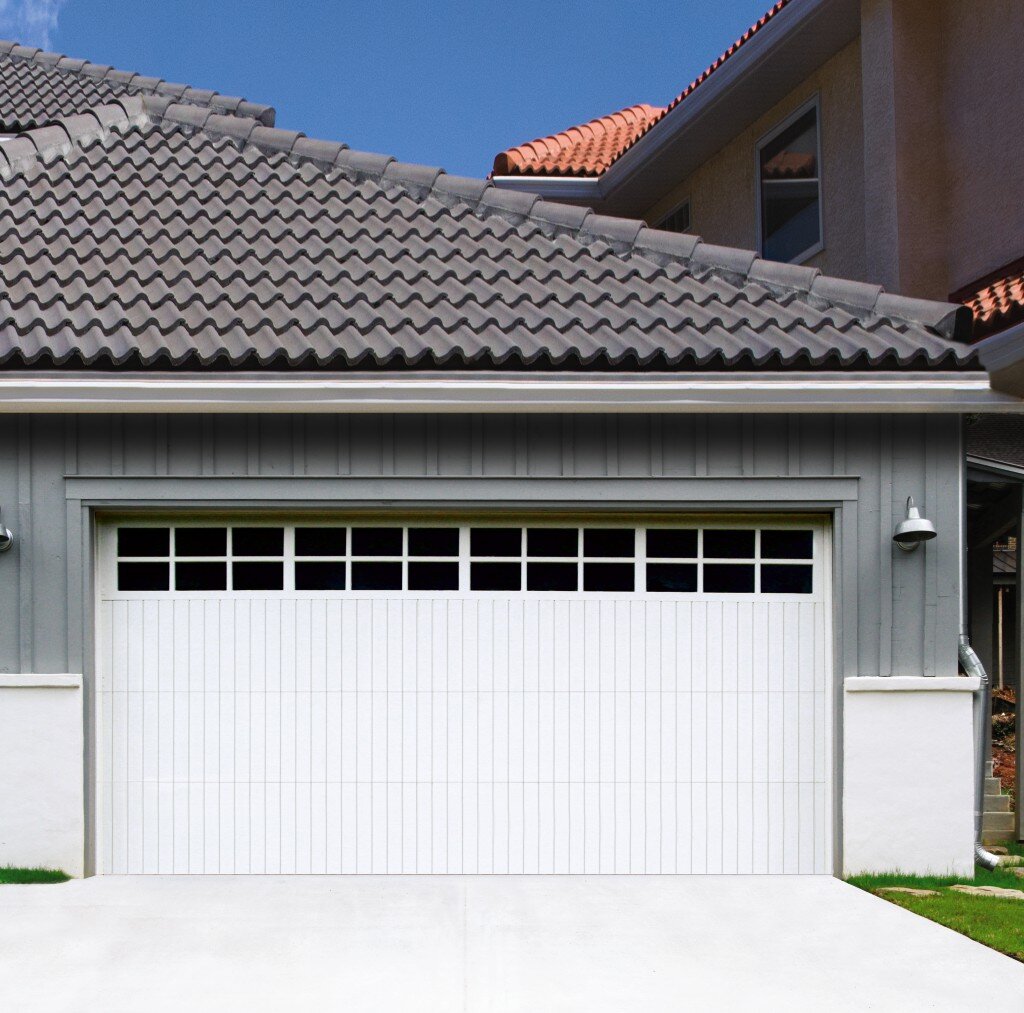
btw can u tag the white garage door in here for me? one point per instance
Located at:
(561, 697)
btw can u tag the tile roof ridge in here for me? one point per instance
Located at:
(227, 104)
(624, 235)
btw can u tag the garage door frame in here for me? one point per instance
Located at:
(91, 501)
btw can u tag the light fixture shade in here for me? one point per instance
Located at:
(913, 529)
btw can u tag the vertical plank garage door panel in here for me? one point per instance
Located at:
(463, 731)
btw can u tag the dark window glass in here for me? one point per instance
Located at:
(679, 577)
(786, 578)
(551, 577)
(607, 576)
(552, 541)
(495, 576)
(265, 576)
(787, 544)
(433, 576)
(320, 576)
(678, 220)
(495, 542)
(201, 576)
(143, 542)
(143, 576)
(257, 541)
(320, 542)
(672, 543)
(728, 544)
(200, 542)
(433, 541)
(376, 541)
(790, 190)
(728, 578)
(614, 542)
(376, 576)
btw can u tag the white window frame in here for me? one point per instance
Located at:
(814, 102)
(660, 224)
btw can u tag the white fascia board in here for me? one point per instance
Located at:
(495, 393)
(578, 188)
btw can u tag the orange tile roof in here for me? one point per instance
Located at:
(589, 149)
(586, 150)
(998, 303)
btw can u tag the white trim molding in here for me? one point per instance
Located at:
(911, 684)
(502, 393)
(40, 680)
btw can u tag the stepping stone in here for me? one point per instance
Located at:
(1011, 861)
(996, 849)
(989, 891)
(910, 890)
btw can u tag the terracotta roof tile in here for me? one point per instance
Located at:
(998, 303)
(591, 148)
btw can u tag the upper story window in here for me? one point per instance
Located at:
(789, 189)
(677, 220)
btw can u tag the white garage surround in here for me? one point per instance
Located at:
(679, 723)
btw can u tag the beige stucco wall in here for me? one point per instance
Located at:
(983, 60)
(722, 190)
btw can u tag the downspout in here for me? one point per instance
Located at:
(982, 710)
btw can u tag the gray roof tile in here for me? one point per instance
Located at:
(37, 88)
(166, 236)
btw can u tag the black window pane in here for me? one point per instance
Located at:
(551, 577)
(433, 541)
(201, 576)
(376, 576)
(728, 544)
(494, 576)
(320, 576)
(787, 544)
(433, 576)
(257, 541)
(143, 541)
(143, 576)
(552, 541)
(607, 576)
(265, 576)
(201, 541)
(320, 542)
(672, 543)
(495, 542)
(678, 577)
(789, 190)
(728, 578)
(376, 541)
(614, 542)
(786, 578)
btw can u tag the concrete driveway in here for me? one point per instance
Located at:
(483, 943)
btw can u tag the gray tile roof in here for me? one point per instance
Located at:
(151, 234)
(997, 438)
(37, 88)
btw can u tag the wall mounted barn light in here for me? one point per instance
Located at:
(913, 529)
(6, 538)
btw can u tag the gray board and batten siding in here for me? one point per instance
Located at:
(893, 613)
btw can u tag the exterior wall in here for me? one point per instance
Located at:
(42, 814)
(982, 99)
(895, 614)
(722, 191)
(918, 817)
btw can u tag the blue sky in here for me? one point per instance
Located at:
(448, 83)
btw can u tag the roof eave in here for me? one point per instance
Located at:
(1002, 355)
(758, 75)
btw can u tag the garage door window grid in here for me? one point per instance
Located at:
(487, 558)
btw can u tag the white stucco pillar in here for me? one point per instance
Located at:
(908, 775)
(41, 772)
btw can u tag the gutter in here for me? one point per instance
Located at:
(585, 189)
(501, 393)
(972, 666)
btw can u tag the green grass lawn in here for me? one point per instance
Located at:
(9, 874)
(994, 921)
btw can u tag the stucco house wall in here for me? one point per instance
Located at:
(722, 192)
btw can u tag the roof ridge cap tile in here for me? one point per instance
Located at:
(236, 105)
